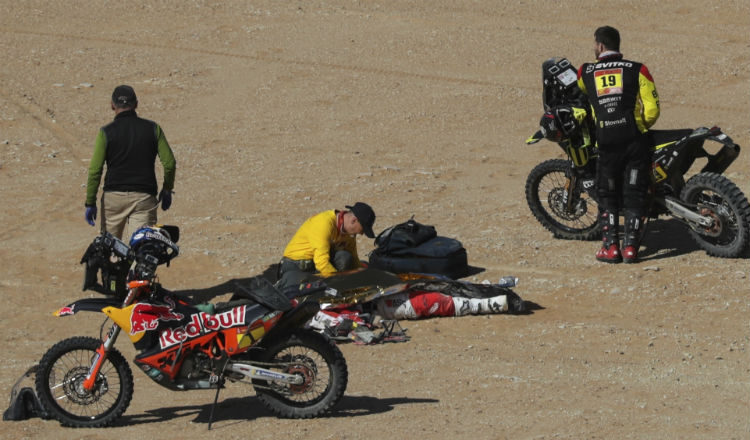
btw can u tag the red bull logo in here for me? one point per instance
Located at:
(146, 316)
(65, 311)
(202, 323)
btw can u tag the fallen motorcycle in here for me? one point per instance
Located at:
(257, 338)
(561, 193)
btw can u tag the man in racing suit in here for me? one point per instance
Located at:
(625, 105)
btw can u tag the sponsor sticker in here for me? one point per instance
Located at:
(202, 323)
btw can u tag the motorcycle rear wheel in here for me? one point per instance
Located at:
(59, 381)
(545, 189)
(314, 357)
(716, 196)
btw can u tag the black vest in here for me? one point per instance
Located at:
(132, 147)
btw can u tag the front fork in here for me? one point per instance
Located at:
(101, 355)
(586, 184)
(568, 195)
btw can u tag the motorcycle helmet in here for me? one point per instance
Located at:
(548, 127)
(155, 241)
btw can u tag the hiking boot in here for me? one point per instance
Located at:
(609, 254)
(629, 254)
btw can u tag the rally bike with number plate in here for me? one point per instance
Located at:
(561, 193)
(257, 337)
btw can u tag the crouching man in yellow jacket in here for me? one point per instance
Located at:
(326, 243)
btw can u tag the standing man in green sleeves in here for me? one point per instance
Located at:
(129, 146)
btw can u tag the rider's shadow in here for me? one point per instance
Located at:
(666, 239)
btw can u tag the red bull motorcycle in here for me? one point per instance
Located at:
(258, 337)
(561, 193)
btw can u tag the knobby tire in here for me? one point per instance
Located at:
(327, 362)
(64, 365)
(720, 197)
(545, 181)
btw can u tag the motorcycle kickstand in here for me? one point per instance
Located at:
(220, 384)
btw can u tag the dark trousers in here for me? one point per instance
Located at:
(623, 175)
(295, 272)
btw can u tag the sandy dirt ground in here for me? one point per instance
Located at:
(278, 110)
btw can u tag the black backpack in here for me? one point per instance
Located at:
(403, 236)
(412, 247)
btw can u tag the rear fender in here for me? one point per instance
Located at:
(720, 161)
(87, 305)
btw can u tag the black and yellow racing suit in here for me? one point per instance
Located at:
(625, 105)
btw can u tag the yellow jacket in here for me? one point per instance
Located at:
(317, 239)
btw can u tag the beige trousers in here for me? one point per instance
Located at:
(121, 207)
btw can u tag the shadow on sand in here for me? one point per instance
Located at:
(235, 410)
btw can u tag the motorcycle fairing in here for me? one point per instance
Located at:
(163, 365)
(176, 322)
(163, 361)
(668, 146)
(138, 318)
(86, 305)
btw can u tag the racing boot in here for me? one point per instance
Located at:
(480, 306)
(632, 238)
(610, 251)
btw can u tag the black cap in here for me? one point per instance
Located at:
(366, 217)
(124, 96)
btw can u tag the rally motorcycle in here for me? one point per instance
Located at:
(257, 337)
(561, 193)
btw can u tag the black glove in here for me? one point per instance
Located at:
(166, 199)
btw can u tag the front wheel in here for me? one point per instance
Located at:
(317, 360)
(59, 384)
(569, 215)
(717, 197)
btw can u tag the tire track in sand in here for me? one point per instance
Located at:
(275, 59)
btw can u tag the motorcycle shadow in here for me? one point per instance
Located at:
(666, 238)
(244, 409)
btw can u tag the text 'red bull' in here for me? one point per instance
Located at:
(201, 323)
